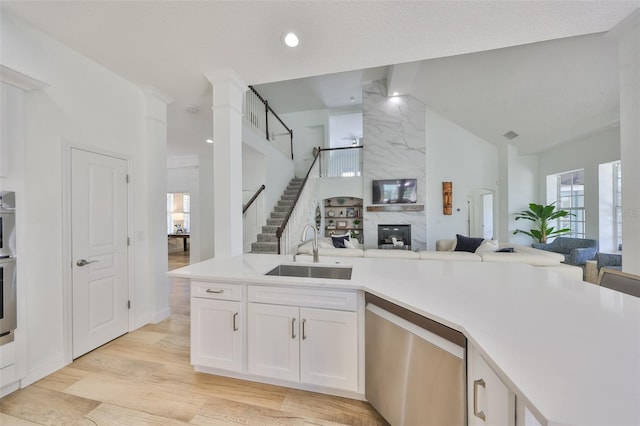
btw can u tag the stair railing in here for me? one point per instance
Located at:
(341, 162)
(261, 116)
(301, 212)
(252, 218)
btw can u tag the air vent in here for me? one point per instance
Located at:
(511, 135)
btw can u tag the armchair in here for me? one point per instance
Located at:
(576, 251)
(609, 260)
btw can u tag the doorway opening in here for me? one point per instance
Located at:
(178, 228)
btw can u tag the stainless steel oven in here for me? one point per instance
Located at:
(8, 319)
(8, 299)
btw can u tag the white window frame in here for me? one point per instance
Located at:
(571, 221)
(617, 204)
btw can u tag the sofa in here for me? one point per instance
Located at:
(445, 251)
(576, 251)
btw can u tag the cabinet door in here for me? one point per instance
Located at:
(216, 333)
(488, 396)
(273, 337)
(329, 348)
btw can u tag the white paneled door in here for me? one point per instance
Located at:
(99, 249)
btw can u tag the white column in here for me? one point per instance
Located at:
(228, 95)
(156, 189)
(628, 35)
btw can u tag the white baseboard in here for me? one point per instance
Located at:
(161, 315)
(43, 370)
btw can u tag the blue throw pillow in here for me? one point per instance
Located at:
(467, 244)
(338, 241)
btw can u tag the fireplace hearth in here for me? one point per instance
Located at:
(396, 237)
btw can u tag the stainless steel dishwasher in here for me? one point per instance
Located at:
(415, 367)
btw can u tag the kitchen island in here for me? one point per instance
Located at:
(569, 351)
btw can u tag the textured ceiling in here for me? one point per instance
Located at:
(172, 44)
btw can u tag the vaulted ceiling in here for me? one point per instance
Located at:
(171, 45)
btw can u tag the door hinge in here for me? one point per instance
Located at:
(127, 178)
(128, 241)
(128, 304)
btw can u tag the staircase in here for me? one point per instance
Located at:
(267, 240)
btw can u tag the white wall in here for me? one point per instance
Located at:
(183, 175)
(586, 153)
(458, 156)
(205, 195)
(275, 171)
(523, 190)
(310, 129)
(88, 105)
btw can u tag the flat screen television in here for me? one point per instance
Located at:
(394, 191)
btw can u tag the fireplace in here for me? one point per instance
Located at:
(394, 237)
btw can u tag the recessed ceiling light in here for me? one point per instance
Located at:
(209, 141)
(290, 39)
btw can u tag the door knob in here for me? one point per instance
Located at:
(83, 262)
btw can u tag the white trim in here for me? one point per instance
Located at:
(161, 315)
(243, 375)
(43, 370)
(20, 80)
(158, 94)
(67, 255)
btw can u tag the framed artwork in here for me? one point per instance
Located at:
(341, 224)
(351, 212)
(447, 198)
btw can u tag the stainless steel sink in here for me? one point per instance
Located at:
(308, 271)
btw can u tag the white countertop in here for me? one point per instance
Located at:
(571, 349)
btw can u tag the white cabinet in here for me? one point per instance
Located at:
(216, 326)
(491, 402)
(273, 341)
(329, 348)
(311, 345)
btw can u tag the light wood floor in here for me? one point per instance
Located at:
(144, 378)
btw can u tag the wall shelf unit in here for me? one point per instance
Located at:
(342, 215)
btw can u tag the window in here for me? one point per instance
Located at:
(570, 197)
(610, 207)
(617, 204)
(178, 213)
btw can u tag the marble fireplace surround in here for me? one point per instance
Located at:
(394, 148)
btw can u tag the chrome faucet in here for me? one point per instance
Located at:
(316, 258)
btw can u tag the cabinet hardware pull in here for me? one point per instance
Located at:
(235, 324)
(215, 291)
(293, 326)
(304, 333)
(476, 383)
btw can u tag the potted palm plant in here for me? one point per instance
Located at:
(542, 217)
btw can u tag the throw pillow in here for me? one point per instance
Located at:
(350, 244)
(506, 250)
(488, 246)
(339, 240)
(467, 244)
(325, 243)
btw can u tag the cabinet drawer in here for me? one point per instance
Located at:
(7, 354)
(219, 291)
(326, 299)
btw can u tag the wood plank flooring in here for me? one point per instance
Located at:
(144, 378)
